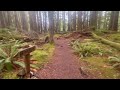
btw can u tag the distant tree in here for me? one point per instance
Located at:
(51, 25)
(23, 20)
(57, 24)
(2, 20)
(113, 24)
(99, 19)
(74, 21)
(63, 16)
(32, 20)
(80, 20)
(17, 22)
(93, 19)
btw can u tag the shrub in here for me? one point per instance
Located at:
(86, 49)
(7, 53)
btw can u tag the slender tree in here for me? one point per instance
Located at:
(51, 25)
(113, 24)
(23, 20)
(63, 16)
(79, 20)
(93, 19)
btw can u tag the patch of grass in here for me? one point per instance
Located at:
(42, 54)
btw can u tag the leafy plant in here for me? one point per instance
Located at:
(115, 61)
(7, 53)
(87, 48)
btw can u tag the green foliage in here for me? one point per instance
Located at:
(115, 37)
(21, 64)
(87, 48)
(7, 52)
(10, 75)
(105, 41)
(42, 54)
(115, 60)
(99, 66)
(8, 34)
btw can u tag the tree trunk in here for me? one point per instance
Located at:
(113, 24)
(57, 26)
(69, 21)
(79, 20)
(23, 20)
(17, 22)
(51, 25)
(63, 16)
(99, 19)
(2, 20)
(74, 21)
(93, 19)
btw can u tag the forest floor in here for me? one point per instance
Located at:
(64, 64)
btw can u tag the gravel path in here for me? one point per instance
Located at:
(63, 65)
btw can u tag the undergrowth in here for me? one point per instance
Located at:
(42, 54)
(100, 58)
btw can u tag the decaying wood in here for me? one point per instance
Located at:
(105, 41)
(27, 63)
(26, 53)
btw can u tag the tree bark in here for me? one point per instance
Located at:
(113, 24)
(51, 25)
(79, 20)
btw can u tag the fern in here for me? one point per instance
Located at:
(21, 64)
(115, 61)
(7, 52)
(86, 49)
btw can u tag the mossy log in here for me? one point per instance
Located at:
(105, 41)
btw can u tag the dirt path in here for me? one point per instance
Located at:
(64, 64)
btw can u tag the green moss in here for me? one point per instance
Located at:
(9, 75)
(101, 68)
(42, 54)
(115, 37)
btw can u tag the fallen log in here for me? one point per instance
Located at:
(105, 41)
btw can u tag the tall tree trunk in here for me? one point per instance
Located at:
(113, 24)
(23, 21)
(2, 20)
(63, 16)
(40, 21)
(105, 21)
(69, 21)
(51, 25)
(79, 20)
(32, 19)
(17, 22)
(93, 19)
(45, 21)
(99, 19)
(57, 26)
(74, 21)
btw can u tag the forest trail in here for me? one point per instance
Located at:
(63, 65)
